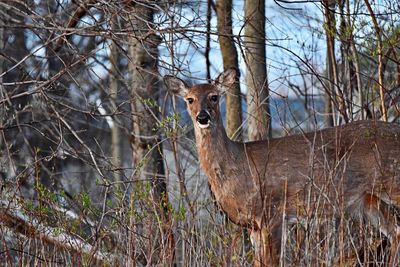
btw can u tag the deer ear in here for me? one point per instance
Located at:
(226, 79)
(175, 85)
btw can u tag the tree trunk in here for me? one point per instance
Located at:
(259, 119)
(230, 60)
(3, 107)
(115, 130)
(2, 89)
(350, 79)
(151, 231)
(258, 114)
(331, 67)
(381, 86)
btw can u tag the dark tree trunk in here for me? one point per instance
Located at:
(155, 234)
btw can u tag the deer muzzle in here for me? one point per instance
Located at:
(203, 119)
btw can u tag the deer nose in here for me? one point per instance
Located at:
(203, 117)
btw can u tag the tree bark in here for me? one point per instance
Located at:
(259, 119)
(258, 113)
(331, 67)
(155, 235)
(230, 60)
(115, 130)
(378, 32)
(208, 41)
(2, 89)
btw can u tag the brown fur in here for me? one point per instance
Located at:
(352, 168)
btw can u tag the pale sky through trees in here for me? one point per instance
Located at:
(293, 28)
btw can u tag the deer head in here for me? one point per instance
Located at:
(203, 99)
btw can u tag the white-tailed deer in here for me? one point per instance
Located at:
(350, 172)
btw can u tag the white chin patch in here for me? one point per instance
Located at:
(203, 126)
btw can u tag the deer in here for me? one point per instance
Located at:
(351, 170)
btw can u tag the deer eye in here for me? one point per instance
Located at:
(189, 100)
(214, 98)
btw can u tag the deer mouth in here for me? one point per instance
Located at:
(203, 119)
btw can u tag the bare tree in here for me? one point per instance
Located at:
(336, 92)
(148, 163)
(116, 132)
(259, 119)
(331, 67)
(230, 60)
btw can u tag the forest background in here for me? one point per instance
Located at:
(97, 162)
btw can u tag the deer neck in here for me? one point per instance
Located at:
(224, 163)
(216, 151)
(211, 140)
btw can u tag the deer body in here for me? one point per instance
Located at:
(352, 170)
